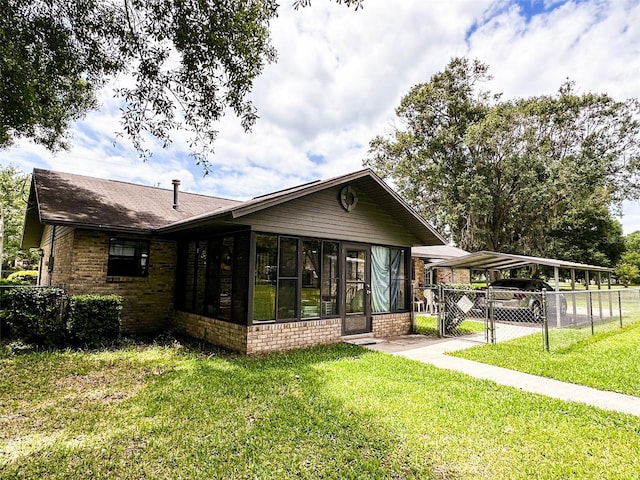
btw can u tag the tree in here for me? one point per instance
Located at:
(14, 190)
(627, 273)
(499, 175)
(587, 233)
(189, 61)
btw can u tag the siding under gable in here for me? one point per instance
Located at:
(321, 215)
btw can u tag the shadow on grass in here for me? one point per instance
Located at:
(195, 411)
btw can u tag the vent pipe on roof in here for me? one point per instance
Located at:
(176, 184)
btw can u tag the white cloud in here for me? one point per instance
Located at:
(341, 73)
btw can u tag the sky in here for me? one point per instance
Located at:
(340, 75)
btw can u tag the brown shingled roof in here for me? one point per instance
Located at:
(65, 198)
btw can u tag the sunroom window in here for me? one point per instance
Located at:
(388, 279)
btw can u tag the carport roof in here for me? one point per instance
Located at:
(485, 260)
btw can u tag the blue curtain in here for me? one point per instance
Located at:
(379, 279)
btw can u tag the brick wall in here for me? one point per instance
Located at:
(285, 336)
(224, 334)
(80, 265)
(391, 324)
(270, 337)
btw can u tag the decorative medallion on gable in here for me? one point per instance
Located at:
(348, 198)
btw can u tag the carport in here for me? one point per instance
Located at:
(486, 262)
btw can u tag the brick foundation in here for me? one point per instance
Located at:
(391, 325)
(270, 337)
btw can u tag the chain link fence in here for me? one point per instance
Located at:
(557, 319)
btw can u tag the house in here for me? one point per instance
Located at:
(298, 267)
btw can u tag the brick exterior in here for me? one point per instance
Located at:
(225, 334)
(441, 275)
(392, 324)
(269, 337)
(80, 265)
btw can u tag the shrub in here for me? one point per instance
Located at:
(94, 319)
(35, 314)
(28, 277)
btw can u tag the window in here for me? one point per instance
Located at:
(388, 279)
(330, 278)
(212, 277)
(288, 279)
(310, 279)
(380, 279)
(294, 278)
(128, 258)
(266, 274)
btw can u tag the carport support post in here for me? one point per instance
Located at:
(573, 295)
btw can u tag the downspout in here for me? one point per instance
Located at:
(51, 256)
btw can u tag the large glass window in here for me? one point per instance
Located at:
(208, 270)
(226, 278)
(266, 276)
(310, 279)
(380, 279)
(128, 258)
(295, 278)
(388, 279)
(287, 299)
(330, 278)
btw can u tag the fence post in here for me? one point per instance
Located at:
(590, 311)
(441, 308)
(545, 320)
(620, 306)
(492, 316)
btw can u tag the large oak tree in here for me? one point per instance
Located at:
(508, 175)
(183, 63)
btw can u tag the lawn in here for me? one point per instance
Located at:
(175, 410)
(608, 360)
(428, 325)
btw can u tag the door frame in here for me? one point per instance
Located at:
(355, 323)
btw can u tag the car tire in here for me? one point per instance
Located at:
(536, 312)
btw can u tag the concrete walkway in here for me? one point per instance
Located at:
(432, 351)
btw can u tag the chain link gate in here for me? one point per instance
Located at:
(461, 313)
(496, 315)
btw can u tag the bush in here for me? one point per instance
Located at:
(30, 277)
(94, 319)
(23, 277)
(35, 314)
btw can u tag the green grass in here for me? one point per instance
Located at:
(608, 360)
(428, 325)
(177, 411)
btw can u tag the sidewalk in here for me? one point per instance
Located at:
(432, 351)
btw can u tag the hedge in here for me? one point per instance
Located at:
(48, 317)
(94, 319)
(35, 314)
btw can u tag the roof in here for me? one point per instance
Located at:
(438, 252)
(76, 200)
(394, 204)
(121, 206)
(485, 260)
